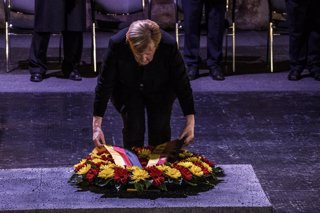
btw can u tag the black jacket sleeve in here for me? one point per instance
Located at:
(106, 81)
(181, 82)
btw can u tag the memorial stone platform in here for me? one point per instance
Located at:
(47, 190)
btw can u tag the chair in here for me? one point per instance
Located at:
(277, 26)
(111, 8)
(14, 25)
(178, 25)
(19, 17)
(231, 31)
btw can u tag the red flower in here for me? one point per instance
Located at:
(156, 174)
(91, 174)
(186, 174)
(157, 181)
(98, 164)
(121, 175)
(210, 163)
(102, 152)
(79, 167)
(143, 161)
(105, 158)
(204, 169)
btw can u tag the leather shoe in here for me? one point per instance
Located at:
(216, 73)
(193, 73)
(294, 75)
(317, 76)
(75, 76)
(36, 77)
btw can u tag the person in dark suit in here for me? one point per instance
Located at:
(143, 70)
(55, 16)
(304, 38)
(215, 13)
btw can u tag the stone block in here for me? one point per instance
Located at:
(47, 190)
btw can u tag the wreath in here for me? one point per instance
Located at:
(145, 169)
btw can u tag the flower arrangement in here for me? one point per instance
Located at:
(101, 169)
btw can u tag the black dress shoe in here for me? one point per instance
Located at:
(216, 73)
(36, 77)
(317, 76)
(193, 73)
(294, 75)
(75, 76)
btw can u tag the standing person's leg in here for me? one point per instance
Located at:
(192, 10)
(298, 37)
(314, 39)
(215, 13)
(72, 47)
(38, 55)
(159, 130)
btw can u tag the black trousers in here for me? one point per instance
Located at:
(215, 15)
(304, 38)
(72, 49)
(134, 122)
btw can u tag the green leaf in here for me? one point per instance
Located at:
(190, 183)
(75, 179)
(147, 183)
(163, 187)
(219, 171)
(102, 182)
(139, 186)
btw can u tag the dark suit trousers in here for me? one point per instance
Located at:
(215, 14)
(72, 48)
(304, 39)
(158, 122)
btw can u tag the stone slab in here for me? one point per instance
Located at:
(47, 190)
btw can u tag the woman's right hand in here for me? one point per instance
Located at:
(98, 137)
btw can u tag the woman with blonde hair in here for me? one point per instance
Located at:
(143, 73)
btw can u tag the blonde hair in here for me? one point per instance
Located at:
(141, 33)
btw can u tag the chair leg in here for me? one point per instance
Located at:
(7, 48)
(94, 47)
(177, 34)
(233, 47)
(271, 45)
(60, 49)
(226, 47)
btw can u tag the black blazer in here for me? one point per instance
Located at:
(60, 15)
(160, 81)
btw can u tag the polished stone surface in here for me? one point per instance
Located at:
(277, 132)
(253, 117)
(47, 188)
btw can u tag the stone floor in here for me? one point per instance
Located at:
(253, 117)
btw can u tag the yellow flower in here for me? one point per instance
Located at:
(97, 160)
(106, 173)
(173, 173)
(144, 153)
(132, 168)
(186, 164)
(139, 174)
(108, 166)
(95, 156)
(196, 170)
(207, 166)
(193, 159)
(185, 154)
(83, 161)
(84, 169)
(162, 167)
